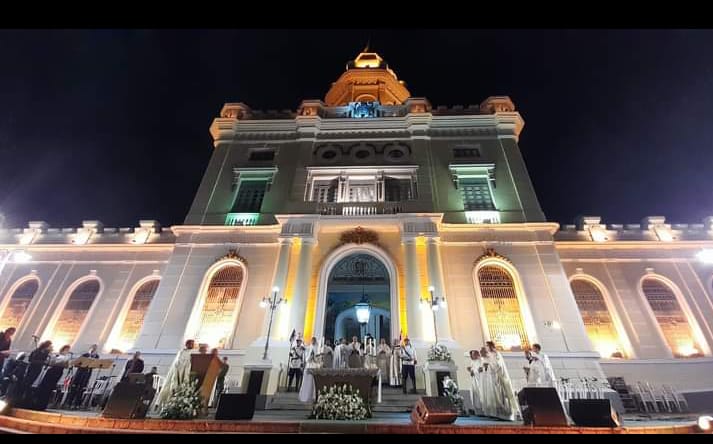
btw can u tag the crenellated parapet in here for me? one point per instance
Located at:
(651, 228)
(90, 232)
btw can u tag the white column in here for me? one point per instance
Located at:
(298, 301)
(413, 297)
(283, 263)
(435, 278)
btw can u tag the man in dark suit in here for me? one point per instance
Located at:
(133, 365)
(81, 378)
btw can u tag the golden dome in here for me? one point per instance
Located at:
(367, 79)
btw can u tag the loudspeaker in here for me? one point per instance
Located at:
(541, 406)
(434, 410)
(593, 413)
(124, 401)
(236, 406)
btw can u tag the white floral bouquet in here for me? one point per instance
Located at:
(451, 391)
(341, 403)
(439, 353)
(185, 402)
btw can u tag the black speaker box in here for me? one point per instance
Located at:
(129, 401)
(434, 410)
(541, 406)
(236, 406)
(593, 413)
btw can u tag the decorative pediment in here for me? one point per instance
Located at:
(359, 236)
(232, 254)
(491, 253)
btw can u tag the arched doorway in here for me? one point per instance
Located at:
(358, 278)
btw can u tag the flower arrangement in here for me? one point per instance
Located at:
(451, 391)
(185, 402)
(439, 353)
(341, 403)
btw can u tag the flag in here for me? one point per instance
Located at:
(292, 336)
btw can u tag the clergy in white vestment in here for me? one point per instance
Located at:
(370, 354)
(178, 373)
(508, 407)
(535, 370)
(327, 354)
(548, 378)
(355, 352)
(395, 365)
(488, 386)
(383, 355)
(311, 362)
(341, 355)
(476, 370)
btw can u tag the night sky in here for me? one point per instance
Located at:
(113, 125)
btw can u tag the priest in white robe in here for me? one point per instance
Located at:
(383, 356)
(327, 354)
(488, 386)
(549, 378)
(341, 355)
(508, 407)
(355, 354)
(370, 354)
(534, 370)
(311, 362)
(178, 373)
(476, 371)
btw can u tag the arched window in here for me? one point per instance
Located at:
(597, 318)
(502, 308)
(134, 319)
(216, 319)
(75, 313)
(19, 301)
(671, 318)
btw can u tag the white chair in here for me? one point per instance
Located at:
(678, 399)
(646, 397)
(658, 397)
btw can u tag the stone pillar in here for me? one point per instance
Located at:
(298, 300)
(435, 279)
(415, 329)
(283, 263)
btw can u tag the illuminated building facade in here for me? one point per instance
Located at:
(425, 214)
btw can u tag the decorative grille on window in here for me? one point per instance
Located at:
(74, 313)
(19, 301)
(502, 309)
(397, 190)
(250, 195)
(476, 194)
(216, 321)
(325, 191)
(670, 318)
(137, 312)
(597, 318)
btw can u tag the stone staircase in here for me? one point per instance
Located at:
(392, 400)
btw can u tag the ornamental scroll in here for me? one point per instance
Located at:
(359, 236)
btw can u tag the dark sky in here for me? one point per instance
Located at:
(113, 124)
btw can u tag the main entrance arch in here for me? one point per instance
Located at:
(351, 274)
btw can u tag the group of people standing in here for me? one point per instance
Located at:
(396, 363)
(492, 394)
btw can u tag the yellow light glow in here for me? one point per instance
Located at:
(598, 234)
(427, 327)
(606, 348)
(141, 235)
(311, 307)
(687, 349)
(283, 325)
(82, 236)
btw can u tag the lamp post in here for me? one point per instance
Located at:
(271, 304)
(363, 312)
(434, 302)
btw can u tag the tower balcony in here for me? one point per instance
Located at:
(359, 208)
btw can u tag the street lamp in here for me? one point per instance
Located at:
(434, 302)
(363, 312)
(271, 304)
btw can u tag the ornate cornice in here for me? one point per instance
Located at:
(359, 236)
(232, 255)
(490, 253)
